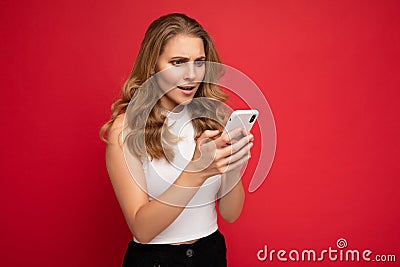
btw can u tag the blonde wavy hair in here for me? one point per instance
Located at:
(145, 139)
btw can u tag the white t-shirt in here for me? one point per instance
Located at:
(199, 217)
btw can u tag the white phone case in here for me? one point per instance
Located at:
(241, 118)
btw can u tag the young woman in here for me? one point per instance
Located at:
(178, 161)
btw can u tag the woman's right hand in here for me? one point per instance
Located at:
(221, 155)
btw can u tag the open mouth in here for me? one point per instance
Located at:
(186, 88)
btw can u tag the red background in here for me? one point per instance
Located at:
(329, 69)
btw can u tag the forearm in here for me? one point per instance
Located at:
(153, 217)
(230, 205)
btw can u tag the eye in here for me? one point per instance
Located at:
(177, 62)
(199, 63)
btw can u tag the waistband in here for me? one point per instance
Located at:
(202, 241)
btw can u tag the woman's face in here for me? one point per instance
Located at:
(180, 70)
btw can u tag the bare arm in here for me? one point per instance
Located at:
(231, 194)
(146, 219)
(230, 204)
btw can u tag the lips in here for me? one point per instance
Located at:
(186, 88)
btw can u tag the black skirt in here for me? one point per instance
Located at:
(208, 251)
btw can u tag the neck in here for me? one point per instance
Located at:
(176, 109)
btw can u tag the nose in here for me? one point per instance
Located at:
(190, 73)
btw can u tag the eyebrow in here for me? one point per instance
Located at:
(186, 58)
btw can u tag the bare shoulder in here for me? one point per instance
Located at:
(115, 131)
(116, 158)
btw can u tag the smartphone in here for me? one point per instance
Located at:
(244, 119)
